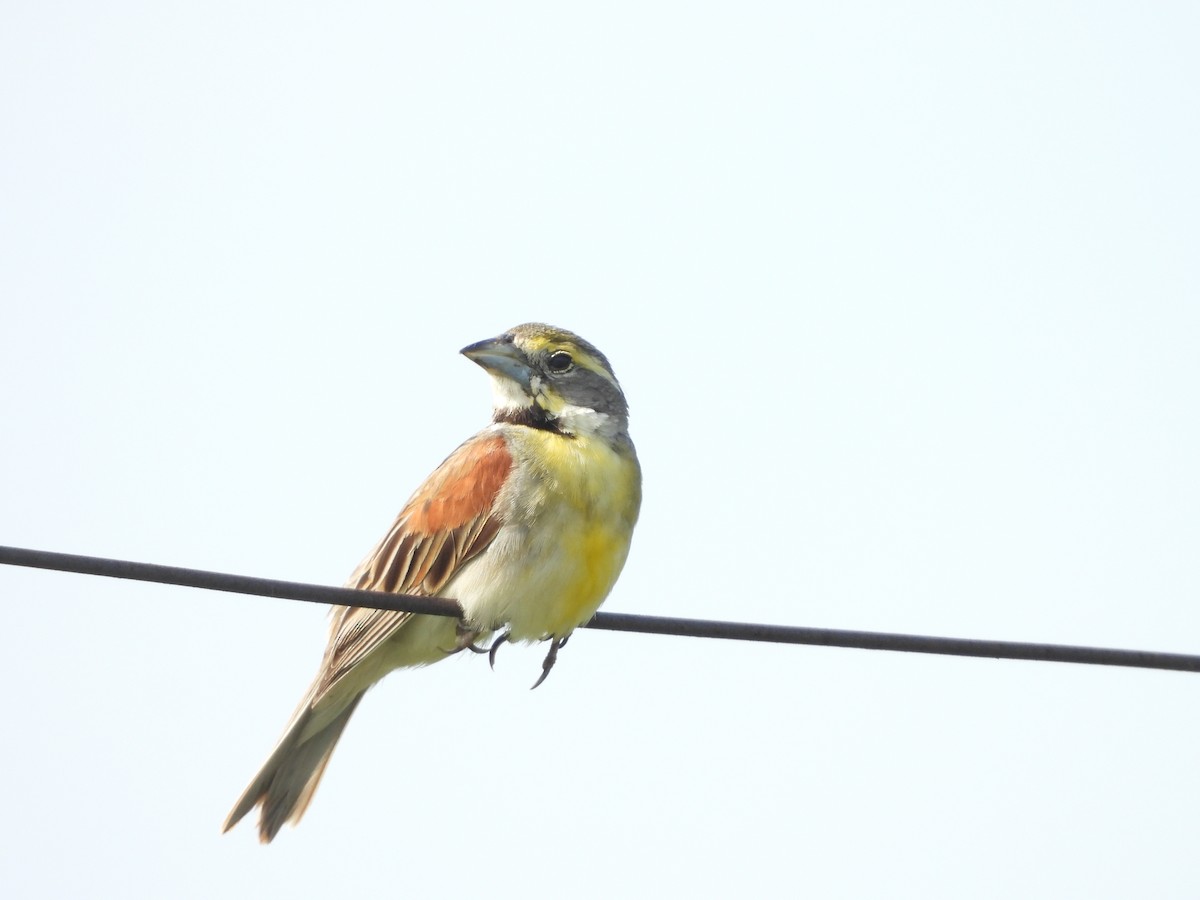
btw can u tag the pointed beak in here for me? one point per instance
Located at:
(500, 357)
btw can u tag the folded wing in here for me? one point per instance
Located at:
(451, 519)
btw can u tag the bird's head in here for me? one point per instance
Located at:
(548, 377)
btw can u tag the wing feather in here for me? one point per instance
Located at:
(451, 519)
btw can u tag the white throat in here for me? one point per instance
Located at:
(507, 394)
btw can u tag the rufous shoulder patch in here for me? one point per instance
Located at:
(450, 519)
(462, 489)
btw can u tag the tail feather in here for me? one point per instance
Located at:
(284, 786)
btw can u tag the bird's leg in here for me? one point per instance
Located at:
(464, 639)
(491, 651)
(556, 644)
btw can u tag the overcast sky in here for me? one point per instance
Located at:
(905, 299)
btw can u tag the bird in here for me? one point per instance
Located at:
(527, 525)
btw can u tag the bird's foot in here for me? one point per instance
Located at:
(556, 644)
(464, 639)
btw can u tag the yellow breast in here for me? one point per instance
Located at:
(572, 509)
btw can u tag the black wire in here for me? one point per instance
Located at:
(706, 628)
(219, 581)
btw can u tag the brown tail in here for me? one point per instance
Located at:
(285, 784)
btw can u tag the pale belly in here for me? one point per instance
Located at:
(542, 582)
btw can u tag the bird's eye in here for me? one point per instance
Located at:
(560, 361)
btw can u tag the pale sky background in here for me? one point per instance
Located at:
(906, 301)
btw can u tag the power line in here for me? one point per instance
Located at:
(658, 625)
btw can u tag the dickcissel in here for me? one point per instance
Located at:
(527, 525)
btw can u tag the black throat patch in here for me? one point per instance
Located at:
(529, 416)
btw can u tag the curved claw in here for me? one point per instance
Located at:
(491, 651)
(556, 644)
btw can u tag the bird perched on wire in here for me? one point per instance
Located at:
(527, 525)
